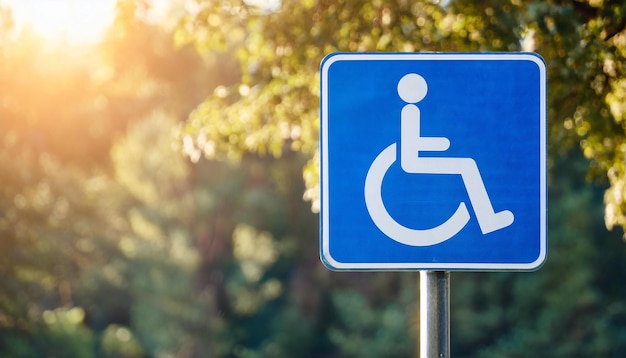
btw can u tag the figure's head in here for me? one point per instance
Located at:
(412, 88)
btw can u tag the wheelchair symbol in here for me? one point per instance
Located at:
(412, 88)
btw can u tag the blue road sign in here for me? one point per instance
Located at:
(433, 161)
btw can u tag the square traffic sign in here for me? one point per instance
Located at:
(433, 161)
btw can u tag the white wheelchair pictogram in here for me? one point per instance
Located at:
(412, 88)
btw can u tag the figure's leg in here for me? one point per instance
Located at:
(488, 220)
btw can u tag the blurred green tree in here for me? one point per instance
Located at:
(114, 245)
(75, 208)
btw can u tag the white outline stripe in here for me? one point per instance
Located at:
(325, 216)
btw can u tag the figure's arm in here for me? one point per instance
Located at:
(433, 144)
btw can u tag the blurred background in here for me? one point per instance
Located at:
(159, 182)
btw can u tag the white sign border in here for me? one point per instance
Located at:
(333, 264)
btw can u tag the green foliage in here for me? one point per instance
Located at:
(62, 334)
(366, 331)
(119, 341)
(96, 240)
(274, 104)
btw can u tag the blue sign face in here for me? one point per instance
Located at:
(433, 161)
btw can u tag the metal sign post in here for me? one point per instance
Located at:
(434, 314)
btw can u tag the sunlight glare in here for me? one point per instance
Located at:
(72, 21)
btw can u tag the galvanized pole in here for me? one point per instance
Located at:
(434, 314)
